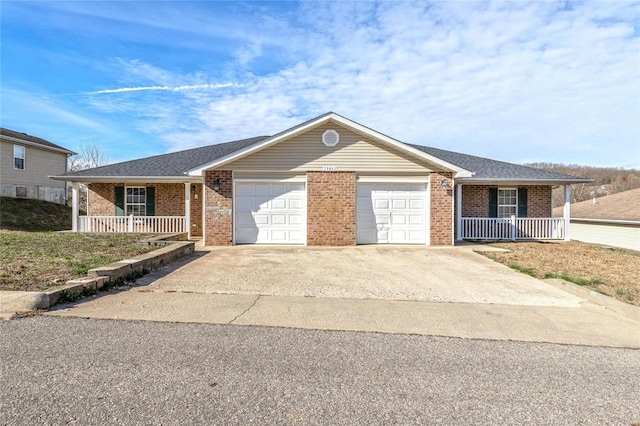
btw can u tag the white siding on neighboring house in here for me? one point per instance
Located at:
(625, 234)
(33, 181)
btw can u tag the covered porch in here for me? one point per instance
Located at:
(514, 208)
(155, 208)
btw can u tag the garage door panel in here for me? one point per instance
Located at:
(416, 204)
(415, 219)
(278, 219)
(398, 219)
(279, 203)
(296, 203)
(270, 213)
(391, 213)
(245, 219)
(381, 204)
(296, 219)
(399, 204)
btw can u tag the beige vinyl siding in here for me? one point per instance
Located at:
(266, 175)
(354, 152)
(610, 234)
(39, 165)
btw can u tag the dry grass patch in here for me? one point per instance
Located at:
(35, 261)
(614, 272)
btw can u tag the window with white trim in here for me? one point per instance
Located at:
(18, 157)
(136, 201)
(507, 202)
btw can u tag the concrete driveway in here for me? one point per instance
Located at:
(410, 290)
(365, 272)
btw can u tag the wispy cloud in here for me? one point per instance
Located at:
(517, 81)
(167, 88)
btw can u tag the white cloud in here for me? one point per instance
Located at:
(167, 88)
(530, 81)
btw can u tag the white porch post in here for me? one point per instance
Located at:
(75, 206)
(187, 207)
(459, 212)
(566, 212)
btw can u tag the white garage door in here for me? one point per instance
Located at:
(270, 213)
(394, 213)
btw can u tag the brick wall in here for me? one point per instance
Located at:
(441, 213)
(218, 208)
(475, 201)
(101, 199)
(196, 210)
(331, 208)
(539, 202)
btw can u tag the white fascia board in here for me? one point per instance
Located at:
(108, 179)
(37, 145)
(464, 181)
(459, 172)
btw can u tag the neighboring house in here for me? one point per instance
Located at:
(613, 220)
(327, 181)
(26, 162)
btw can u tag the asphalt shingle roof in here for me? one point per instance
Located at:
(32, 139)
(173, 164)
(176, 164)
(488, 169)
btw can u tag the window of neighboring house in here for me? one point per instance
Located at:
(507, 203)
(136, 201)
(18, 157)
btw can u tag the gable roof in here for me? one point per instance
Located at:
(24, 138)
(318, 121)
(620, 206)
(486, 170)
(190, 164)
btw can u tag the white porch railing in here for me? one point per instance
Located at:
(133, 224)
(513, 228)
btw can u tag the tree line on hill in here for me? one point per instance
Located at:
(606, 181)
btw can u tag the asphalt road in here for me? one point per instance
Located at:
(89, 372)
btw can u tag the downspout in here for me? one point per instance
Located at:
(566, 212)
(459, 212)
(75, 203)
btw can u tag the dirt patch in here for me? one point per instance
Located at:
(611, 271)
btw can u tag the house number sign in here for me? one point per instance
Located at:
(329, 168)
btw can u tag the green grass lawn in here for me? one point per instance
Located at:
(32, 261)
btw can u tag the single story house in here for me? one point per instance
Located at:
(327, 181)
(26, 162)
(612, 220)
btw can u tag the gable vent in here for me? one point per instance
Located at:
(330, 137)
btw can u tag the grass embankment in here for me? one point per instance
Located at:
(21, 214)
(33, 261)
(614, 272)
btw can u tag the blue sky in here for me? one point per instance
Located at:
(515, 81)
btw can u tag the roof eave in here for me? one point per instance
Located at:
(108, 179)
(38, 145)
(511, 181)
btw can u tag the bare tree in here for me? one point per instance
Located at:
(91, 154)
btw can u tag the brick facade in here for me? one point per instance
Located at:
(169, 201)
(441, 210)
(101, 199)
(331, 208)
(218, 208)
(475, 200)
